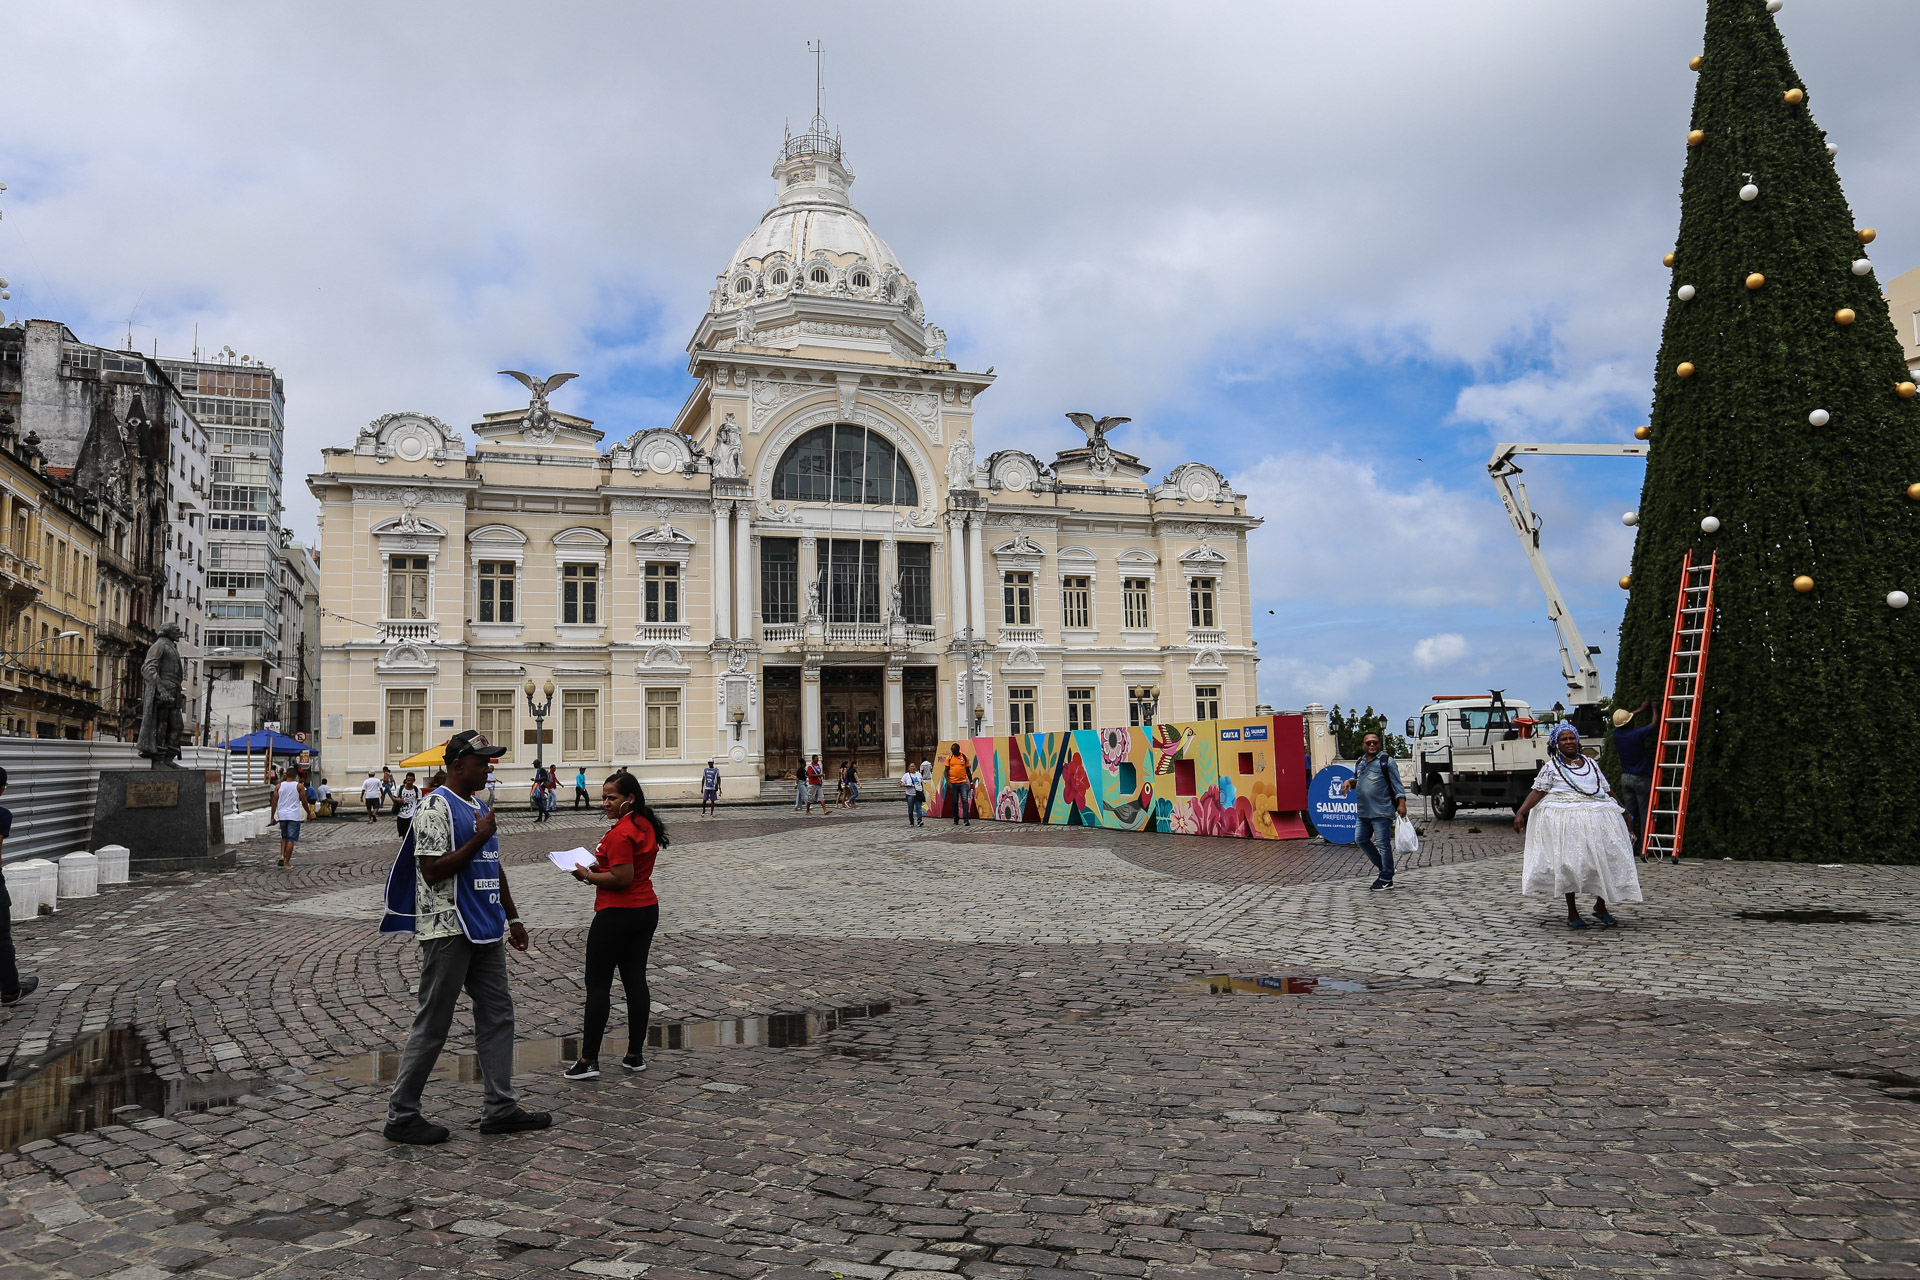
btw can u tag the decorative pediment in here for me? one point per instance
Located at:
(661, 450)
(1020, 545)
(407, 659)
(410, 437)
(1208, 660)
(1203, 557)
(662, 542)
(1022, 659)
(498, 542)
(1016, 471)
(1195, 482)
(408, 532)
(1076, 558)
(662, 660)
(580, 544)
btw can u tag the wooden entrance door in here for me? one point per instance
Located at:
(780, 736)
(920, 696)
(853, 724)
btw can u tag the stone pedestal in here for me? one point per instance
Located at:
(168, 818)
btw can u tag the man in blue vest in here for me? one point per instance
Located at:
(449, 889)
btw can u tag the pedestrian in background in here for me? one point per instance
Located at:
(448, 888)
(1636, 770)
(709, 791)
(626, 911)
(370, 795)
(816, 780)
(289, 808)
(1577, 841)
(493, 783)
(853, 785)
(406, 804)
(915, 788)
(800, 787)
(387, 787)
(14, 987)
(581, 799)
(1380, 795)
(959, 796)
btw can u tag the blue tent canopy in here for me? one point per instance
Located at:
(259, 743)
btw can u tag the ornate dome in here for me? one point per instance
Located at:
(813, 241)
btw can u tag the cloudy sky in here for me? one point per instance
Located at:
(1337, 248)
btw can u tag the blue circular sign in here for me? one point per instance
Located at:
(1336, 814)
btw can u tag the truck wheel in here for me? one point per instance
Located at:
(1444, 806)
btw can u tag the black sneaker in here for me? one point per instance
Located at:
(1380, 884)
(582, 1070)
(518, 1122)
(416, 1132)
(27, 984)
(633, 1062)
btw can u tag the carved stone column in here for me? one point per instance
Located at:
(957, 574)
(743, 573)
(722, 585)
(977, 575)
(810, 710)
(896, 723)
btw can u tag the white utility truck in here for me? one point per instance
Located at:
(1475, 751)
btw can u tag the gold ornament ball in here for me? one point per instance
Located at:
(1795, 97)
(1686, 369)
(1696, 137)
(1867, 235)
(1626, 583)
(1904, 390)
(1667, 261)
(1913, 492)
(1695, 62)
(1844, 316)
(1643, 433)
(1756, 281)
(1803, 584)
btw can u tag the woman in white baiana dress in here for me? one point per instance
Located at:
(1577, 842)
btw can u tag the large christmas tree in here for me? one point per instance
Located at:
(1782, 410)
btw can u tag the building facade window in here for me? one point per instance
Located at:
(1200, 595)
(1079, 708)
(579, 724)
(662, 593)
(496, 593)
(663, 724)
(1206, 702)
(493, 715)
(1017, 599)
(1076, 602)
(1136, 596)
(845, 463)
(580, 595)
(853, 579)
(407, 587)
(916, 583)
(406, 723)
(1022, 711)
(779, 581)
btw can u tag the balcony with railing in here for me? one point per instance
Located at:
(872, 634)
(917, 634)
(664, 633)
(417, 630)
(1019, 635)
(1206, 636)
(780, 632)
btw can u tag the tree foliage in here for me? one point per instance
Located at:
(1351, 727)
(1802, 748)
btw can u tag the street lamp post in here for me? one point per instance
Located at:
(1149, 695)
(539, 711)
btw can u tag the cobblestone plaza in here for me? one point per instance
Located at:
(1720, 1087)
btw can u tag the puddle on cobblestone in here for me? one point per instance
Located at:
(291, 1227)
(1895, 1084)
(1225, 984)
(107, 1078)
(1818, 915)
(770, 1031)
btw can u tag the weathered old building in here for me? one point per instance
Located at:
(809, 558)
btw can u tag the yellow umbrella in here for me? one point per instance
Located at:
(434, 755)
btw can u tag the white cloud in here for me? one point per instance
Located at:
(1554, 405)
(1299, 682)
(1439, 651)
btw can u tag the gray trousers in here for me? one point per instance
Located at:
(446, 966)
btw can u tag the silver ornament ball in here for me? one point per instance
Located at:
(1685, 293)
(1774, 6)
(1710, 525)
(1630, 519)
(1819, 417)
(1898, 599)
(1833, 148)
(1863, 266)
(1749, 192)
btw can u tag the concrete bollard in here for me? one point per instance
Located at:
(46, 879)
(23, 891)
(79, 875)
(114, 863)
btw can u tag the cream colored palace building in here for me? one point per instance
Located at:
(808, 559)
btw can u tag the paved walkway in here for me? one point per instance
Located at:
(1053, 1095)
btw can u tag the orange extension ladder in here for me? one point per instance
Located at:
(1666, 823)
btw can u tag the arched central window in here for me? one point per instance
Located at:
(845, 463)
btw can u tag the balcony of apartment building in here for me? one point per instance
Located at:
(20, 579)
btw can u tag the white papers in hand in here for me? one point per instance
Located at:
(568, 859)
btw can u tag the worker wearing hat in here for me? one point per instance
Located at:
(1636, 768)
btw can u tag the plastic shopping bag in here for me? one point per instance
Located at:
(1405, 839)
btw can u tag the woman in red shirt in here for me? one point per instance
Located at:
(626, 911)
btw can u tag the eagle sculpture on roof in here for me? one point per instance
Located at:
(539, 420)
(1096, 429)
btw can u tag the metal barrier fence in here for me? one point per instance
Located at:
(51, 785)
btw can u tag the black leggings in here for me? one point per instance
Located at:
(619, 938)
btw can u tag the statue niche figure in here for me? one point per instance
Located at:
(727, 463)
(161, 715)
